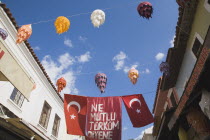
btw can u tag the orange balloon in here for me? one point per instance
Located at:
(133, 74)
(24, 33)
(61, 84)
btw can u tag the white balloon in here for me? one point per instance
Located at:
(97, 17)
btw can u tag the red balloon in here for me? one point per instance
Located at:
(145, 10)
(61, 84)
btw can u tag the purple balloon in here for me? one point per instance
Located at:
(165, 68)
(3, 34)
(101, 80)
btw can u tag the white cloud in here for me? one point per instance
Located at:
(68, 43)
(172, 42)
(126, 68)
(82, 38)
(159, 56)
(61, 68)
(84, 57)
(51, 68)
(66, 60)
(120, 62)
(36, 48)
(148, 130)
(125, 128)
(120, 59)
(146, 71)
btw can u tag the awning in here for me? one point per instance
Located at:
(22, 129)
(11, 71)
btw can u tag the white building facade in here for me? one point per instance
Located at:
(30, 106)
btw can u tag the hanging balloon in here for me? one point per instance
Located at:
(34, 87)
(62, 24)
(145, 10)
(165, 68)
(3, 34)
(24, 33)
(97, 17)
(133, 74)
(61, 84)
(183, 3)
(101, 81)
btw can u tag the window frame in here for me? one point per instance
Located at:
(198, 50)
(44, 124)
(173, 100)
(17, 97)
(55, 134)
(196, 36)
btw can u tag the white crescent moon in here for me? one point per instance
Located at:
(74, 103)
(133, 100)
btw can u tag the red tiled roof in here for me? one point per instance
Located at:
(176, 54)
(158, 87)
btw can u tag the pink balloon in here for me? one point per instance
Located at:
(101, 80)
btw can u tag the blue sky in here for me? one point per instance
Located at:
(125, 39)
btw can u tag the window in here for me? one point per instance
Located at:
(173, 101)
(17, 97)
(56, 126)
(207, 5)
(44, 119)
(196, 47)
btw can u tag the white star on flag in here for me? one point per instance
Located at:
(138, 111)
(72, 116)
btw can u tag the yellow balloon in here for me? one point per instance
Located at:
(62, 24)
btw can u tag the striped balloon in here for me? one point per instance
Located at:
(101, 81)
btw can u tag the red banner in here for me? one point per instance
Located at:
(137, 110)
(104, 118)
(75, 108)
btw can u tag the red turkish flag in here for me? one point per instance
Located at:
(137, 110)
(75, 108)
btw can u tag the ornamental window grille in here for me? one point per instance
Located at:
(17, 97)
(44, 118)
(56, 125)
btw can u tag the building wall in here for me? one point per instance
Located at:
(147, 136)
(161, 100)
(31, 109)
(199, 29)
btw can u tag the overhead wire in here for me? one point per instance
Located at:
(85, 13)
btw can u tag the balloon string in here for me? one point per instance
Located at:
(89, 73)
(144, 93)
(183, 30)
(121, 6)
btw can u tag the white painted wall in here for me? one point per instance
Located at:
(31, 110)
(187, 66)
